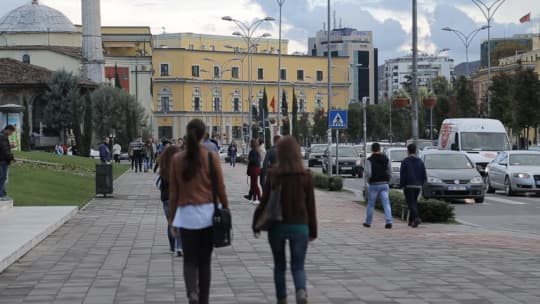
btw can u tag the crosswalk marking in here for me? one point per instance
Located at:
(504, 201)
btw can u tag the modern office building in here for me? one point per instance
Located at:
(397, 71)
(526, 42)
(363, 59)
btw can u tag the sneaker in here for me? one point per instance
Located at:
(179, 253)
(248, 197)
(301, 296)
(256, 202)
(388, 226)
(366, 225)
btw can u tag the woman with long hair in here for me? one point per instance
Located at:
(192, 208)
(254, 170)
(164, 163)
(299, 224)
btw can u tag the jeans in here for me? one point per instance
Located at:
(232, 160)
(175, 244)
(298, 243)
(3, 178)
(198, 246)
(375, 191)
(411, 196)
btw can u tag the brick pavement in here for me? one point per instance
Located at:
(115, 251)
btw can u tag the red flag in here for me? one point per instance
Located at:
(526, 18)
(273, 104)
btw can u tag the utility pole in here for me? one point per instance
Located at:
(280, 3)
(329, 132)
(415, 71)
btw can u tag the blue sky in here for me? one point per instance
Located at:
(388, 19)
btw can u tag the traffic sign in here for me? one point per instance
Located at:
(338, 119)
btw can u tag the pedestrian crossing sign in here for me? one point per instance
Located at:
(337, 119)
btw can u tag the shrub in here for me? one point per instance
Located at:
(335, 183)
(321, 180)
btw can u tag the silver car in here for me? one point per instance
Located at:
(395, 155)
(451, 175)
(513, 172)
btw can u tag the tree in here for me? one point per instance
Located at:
(86, 142)
(285, 113)
(320, 124)
(266, 121)
(295, 116)
(117, 83)
(441, 89)
(502, 98)
(304, 125)
(465, 102)
(63, 104)
(527, 99)
(355, 128)
(25, 136)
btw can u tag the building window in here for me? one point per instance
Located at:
(300, 75)
(283, 74)
(26, 58)
(236, 104)
(320, 75)
(212, 48)
(235, 72)
(191, 47)
(164, 68)
(217, 72)
(236, 132)
(260, 73)
(165, 104)
(217, 104)
(195, 71)
(197, 104)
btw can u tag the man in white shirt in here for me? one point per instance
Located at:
(117, 150)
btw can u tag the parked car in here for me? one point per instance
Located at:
(349, 161)
(514, 172)
(316, 153)
(395, 155)
(451, 175)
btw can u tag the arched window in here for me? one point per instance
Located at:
(26, 58)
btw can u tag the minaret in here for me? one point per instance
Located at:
(92, 48)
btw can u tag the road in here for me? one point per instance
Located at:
(518, 214)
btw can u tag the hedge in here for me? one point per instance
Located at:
(325, 182)
(431, 210)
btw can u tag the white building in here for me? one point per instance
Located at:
(430, 67)
(358, 46)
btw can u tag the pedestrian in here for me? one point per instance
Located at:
(191, 208)
(6, 159)
(378, 171)
(412, 176)
(137, 151)
(117, 150)
(210, 145)
(104, 152)
(147, 155)
(254, 171)
(175, 242)
(269, 160)
(232, 153)
(299, 225)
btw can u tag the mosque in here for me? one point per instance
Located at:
(36, 40)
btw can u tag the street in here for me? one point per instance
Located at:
(498, 213)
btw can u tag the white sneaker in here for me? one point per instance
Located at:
(256, 202)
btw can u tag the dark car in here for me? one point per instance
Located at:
(349, 161)
(316, 153)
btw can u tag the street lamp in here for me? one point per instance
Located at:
(466, 39)
(280, 3)
(489, 12)
(247, 33)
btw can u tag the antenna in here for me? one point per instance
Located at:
(334, 19)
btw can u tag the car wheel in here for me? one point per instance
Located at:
(508, 187)
(490, 189)
(479, 200)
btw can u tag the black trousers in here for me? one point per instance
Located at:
(411, 196)
(137, 160)
(198, 246)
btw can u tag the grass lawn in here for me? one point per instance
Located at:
(70, 182)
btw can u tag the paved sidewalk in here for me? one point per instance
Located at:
(115, 251)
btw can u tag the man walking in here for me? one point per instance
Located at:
(137, 152)
(6, 159)
(412, 176)
(378, 171)
(104, 152)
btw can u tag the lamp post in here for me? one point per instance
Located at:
(466, 39)
(247, 33)
(280, 3)
(415, 71)
(329, 53)
(489, 12)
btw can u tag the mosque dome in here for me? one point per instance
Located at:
(34, 17)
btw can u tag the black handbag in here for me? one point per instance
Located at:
(221, 220)
(272, 212)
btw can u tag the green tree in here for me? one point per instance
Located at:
(285, 113)
(502, 98)
(117, 83)
(88, 128)
(25, 136)
(266, 120)
(295, 116)
(320, 124)
(355, 127)
(304, 126)
(527, 100)
(465, 102)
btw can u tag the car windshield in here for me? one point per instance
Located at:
(484, 141)
(447, 161)
(398, 155)
(318, 149)
(345, 152)
(525, 160)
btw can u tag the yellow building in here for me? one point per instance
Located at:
(214, 86)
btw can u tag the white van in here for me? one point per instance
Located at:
(480, 138)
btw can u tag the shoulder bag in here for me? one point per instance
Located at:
(272, 212)
(221, 220)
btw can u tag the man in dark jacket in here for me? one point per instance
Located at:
(378, 171)
(105, 152)
(270, 160)
(6, 158)
(412, 176)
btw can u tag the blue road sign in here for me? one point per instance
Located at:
(338, 119)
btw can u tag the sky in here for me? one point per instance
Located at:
(390, 20)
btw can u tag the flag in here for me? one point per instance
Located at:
(526, 18)
(273, 104)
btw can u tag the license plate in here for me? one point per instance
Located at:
(346, 168)
(457, 188)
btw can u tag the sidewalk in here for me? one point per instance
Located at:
(115, 251)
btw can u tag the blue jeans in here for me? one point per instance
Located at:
(175, 244)
(298, 243)
(373, 192)
(3, 178)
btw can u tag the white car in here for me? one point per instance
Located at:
(396, 156)
(514, 172)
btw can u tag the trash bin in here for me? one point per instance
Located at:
(104, 179)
